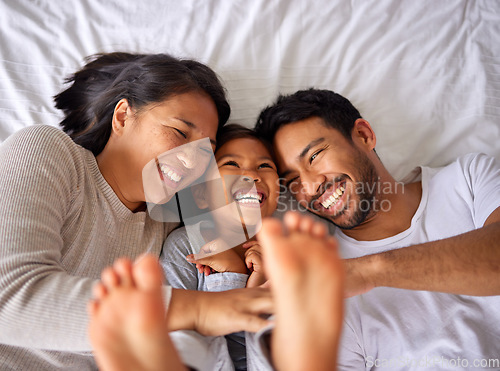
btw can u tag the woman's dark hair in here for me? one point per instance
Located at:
(142, 79)
(236, 131)
(336, 111)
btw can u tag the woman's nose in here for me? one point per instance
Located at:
(250, 176)
(187, 157)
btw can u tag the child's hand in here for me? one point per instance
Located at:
(203, 269)
(253, 261)
(226, 261)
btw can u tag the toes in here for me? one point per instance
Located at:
(278, 251)
(99, 291)
(92, 307)
(271, 230)
(110, 278)
(270, 227)
(306, 225)
(292, 220)
(147, 273)
(332, 244)
(319, 230)
(296, 222)
(123, 268)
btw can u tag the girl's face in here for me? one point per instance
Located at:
(249, 178)
(146, 142)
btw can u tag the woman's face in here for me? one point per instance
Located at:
(159, 150)
(249, 179)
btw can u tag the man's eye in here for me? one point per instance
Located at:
(314, 155)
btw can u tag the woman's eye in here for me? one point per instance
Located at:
(183, 134)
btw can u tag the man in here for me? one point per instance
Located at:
(439, 233)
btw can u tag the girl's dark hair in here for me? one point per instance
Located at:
(237, 131)
(142, 79)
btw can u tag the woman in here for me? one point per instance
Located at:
(72, 205)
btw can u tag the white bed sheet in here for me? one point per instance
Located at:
(424, 73)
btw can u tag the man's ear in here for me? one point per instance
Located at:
(363, 135)
(199, 193)
(121, 114)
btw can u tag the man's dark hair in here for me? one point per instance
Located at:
(336, 111)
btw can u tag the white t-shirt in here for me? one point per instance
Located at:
(395, 329)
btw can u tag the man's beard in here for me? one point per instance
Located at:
(351, 217)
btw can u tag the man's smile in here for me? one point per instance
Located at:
(332, 194)
(334, 197)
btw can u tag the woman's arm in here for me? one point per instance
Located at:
(219, 313)
(41, 305)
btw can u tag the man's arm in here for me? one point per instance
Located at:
(467, 264)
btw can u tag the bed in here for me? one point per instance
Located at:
(425, 74)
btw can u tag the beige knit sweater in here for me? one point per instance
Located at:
(60, 225)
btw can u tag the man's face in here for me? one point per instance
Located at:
(325, 172)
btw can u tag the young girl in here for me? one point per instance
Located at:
(247, 191)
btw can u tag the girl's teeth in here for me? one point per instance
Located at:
(248, 198)
(248, 201)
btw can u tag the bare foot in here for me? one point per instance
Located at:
(307, 282)
(128, 328)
